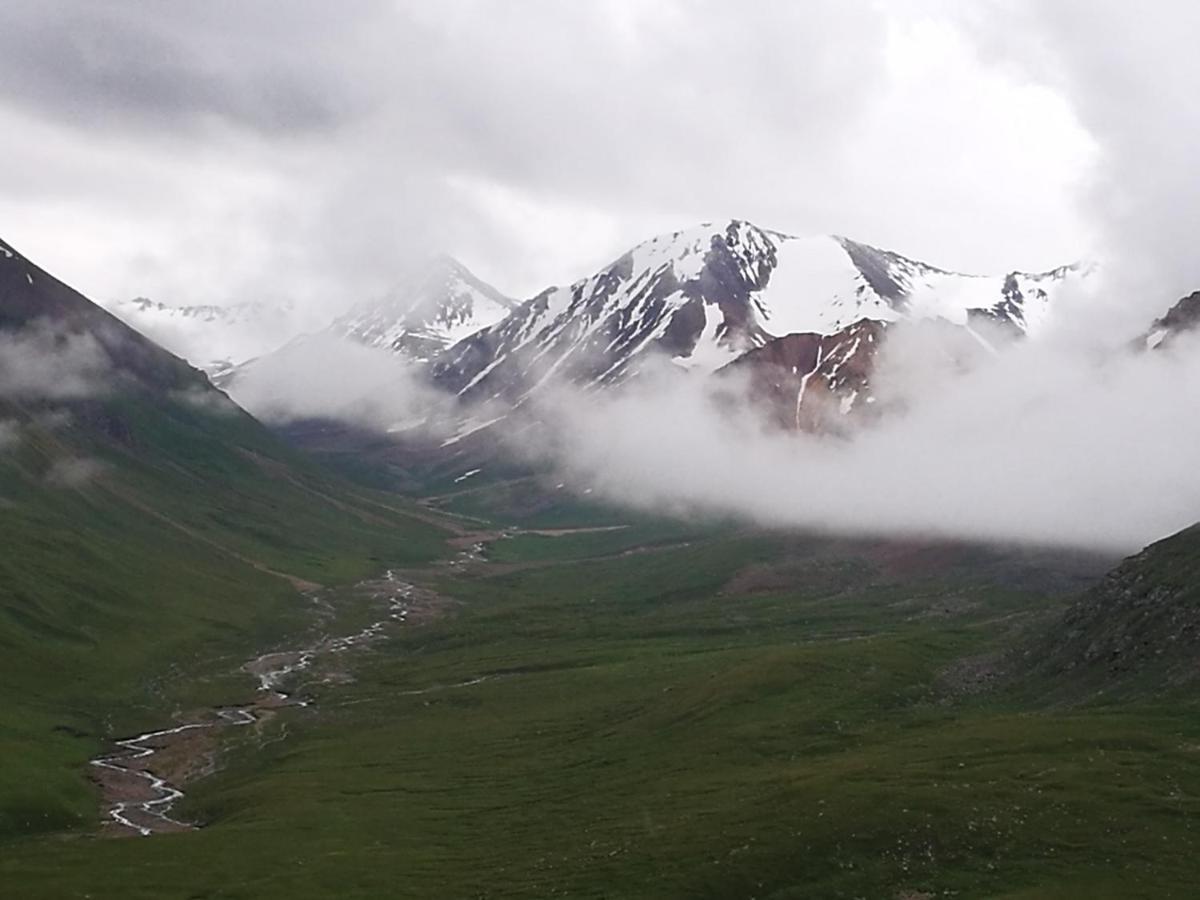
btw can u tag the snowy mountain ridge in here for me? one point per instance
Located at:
(707, 295)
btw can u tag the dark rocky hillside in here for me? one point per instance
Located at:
(1137, 630)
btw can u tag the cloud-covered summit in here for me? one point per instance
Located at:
(225, 151)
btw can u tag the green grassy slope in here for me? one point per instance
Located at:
(146, 526)
(150, 566)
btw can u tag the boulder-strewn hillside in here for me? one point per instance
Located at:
(1139, 628)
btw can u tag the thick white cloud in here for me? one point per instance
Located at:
(1048, 443)
(40, 362)
(219, 151)
(1129, 71)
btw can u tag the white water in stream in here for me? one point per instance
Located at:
(152, 815)
(165, 794)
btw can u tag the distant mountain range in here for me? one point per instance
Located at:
(802, 317)
(802, 320)
(215, 338)
(431, 308)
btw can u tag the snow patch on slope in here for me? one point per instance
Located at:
(815, 287)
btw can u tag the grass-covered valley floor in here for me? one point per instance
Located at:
(660, 712)
(505, 690)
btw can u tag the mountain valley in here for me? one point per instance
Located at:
(498, 684)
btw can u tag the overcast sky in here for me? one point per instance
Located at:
(225, 150)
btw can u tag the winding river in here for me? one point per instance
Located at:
(139, 799)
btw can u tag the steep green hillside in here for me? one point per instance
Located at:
(147, 524)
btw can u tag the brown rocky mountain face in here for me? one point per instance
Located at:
(833, 383)
(813, 382)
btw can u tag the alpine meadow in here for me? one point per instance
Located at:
(608, 450)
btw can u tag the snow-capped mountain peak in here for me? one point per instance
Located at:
(423, 313)
(706, 295)
(822, 284)
(431, 308)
